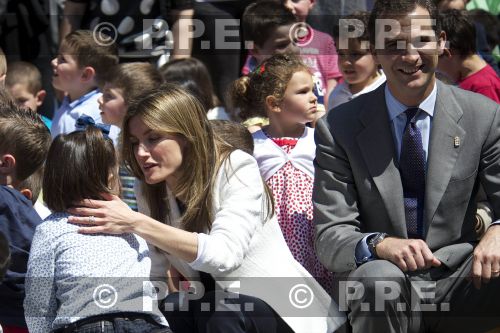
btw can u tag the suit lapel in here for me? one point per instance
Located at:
(377, 147)
(442, 151)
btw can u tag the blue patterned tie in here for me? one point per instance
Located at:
(412, 168)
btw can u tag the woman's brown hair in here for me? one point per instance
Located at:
(173, 111)
(79, 166)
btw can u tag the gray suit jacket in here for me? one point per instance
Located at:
(358, 188)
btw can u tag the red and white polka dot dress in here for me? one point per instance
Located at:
(292, 191)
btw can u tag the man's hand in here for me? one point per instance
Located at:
(486, 261)
(407, 254)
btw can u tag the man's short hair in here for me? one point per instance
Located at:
(82, 45)
(28, 137)
(396, 9)
(21, 72)
(261, 18)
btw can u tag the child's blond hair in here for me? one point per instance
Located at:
(21, 72)
(135, 79)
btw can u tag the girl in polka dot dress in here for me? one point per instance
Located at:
(285, 150)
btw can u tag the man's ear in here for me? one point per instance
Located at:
(272, 104)
(27, 193)
(442, 43)
(40, 97)
(88, 74)
(7, 164)
(312, 3)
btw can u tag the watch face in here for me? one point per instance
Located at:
(381, 237)
(375, 239)
(374, 242)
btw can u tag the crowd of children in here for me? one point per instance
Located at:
(290, 78)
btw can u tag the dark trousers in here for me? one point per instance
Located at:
(209, 314)
(434, 300)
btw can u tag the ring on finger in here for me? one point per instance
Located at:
(92, 219)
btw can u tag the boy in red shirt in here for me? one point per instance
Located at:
(460, 61)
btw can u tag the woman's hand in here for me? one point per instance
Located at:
(109, 216)
(113, 216)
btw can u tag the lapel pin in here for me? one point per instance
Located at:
(456, 142)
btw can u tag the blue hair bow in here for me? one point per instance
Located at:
(84, 121)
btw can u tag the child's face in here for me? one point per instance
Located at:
(300, 8)
(358, 66)
(278, 42)
(66, 71)
(299, 104)
(112, 105)
(24, 97)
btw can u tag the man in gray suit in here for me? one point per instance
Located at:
(397, 172)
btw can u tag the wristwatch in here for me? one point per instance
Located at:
(374, 241)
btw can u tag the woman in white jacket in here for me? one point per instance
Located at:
(208, 211)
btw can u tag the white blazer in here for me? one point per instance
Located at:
(248, 255)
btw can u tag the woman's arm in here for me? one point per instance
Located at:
(239, 213)
(238, 217)
(115, 217)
